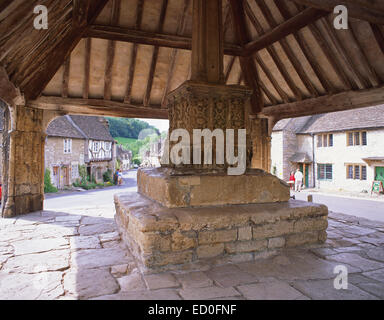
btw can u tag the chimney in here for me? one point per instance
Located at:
(105, 122)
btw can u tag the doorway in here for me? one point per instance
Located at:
(379, 174)
(304, 168)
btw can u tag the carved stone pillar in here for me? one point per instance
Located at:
(199, 106)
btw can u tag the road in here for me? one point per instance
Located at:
(369, 209)
(98, 197)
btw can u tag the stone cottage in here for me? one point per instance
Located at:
(74, 141)
(338, 151)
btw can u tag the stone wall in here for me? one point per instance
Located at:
(162, 238)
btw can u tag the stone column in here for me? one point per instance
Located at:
(23, 171)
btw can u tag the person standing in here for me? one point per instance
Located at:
(292, 180)
(298, 180)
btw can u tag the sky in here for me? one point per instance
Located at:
(162, 125)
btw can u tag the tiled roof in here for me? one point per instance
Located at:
(80, 127)
(94, 127)
(62, 127)
(364, 118)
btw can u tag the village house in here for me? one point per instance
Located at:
(74, 141)
(336, 151)
(124, 157)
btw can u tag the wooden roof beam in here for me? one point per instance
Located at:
(150, 38)
(247, 64)
(371, 11)
(297, 64)
(330, 103)
(147, 94)
(172, 61)
(273, 53)
(288, 27)
(132, 64)
(98, 107)
(42, 72)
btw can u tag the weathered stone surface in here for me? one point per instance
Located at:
(95, 258)
(21, 286)
(121, 269)
(112, 236)
(159, 236)
(69, 218)
(246, 246)
(88, 283)
(97, 229)
(298, 239)
(84, 242)
(376, 289)
(324, 290)
(158, 295)
(183, 241)
(219, 236)
(230, 276)
(272, 230)
(132, 282)
(276, 290)
(245, 233)
(210, 250)
(377, 275)
(207, 293)
(274, 243)
(168, 258)
(356, 261)
(161, 281)
(56, 260)
(310, 225)
(293, 264)
(194, 280)
(39, 245)
(173, 190)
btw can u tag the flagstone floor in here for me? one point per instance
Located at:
(78, 254)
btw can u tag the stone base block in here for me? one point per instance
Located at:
(162, 238)
(182, 188)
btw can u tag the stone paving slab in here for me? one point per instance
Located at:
(79, 255)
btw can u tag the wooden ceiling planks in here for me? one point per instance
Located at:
(135, 52)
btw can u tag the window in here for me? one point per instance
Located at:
(356, 172)
(349, 172)
(364, 138)
(350, 139)
(325, 140)
(357, 138)
(324, 171)
(107, 146)
(96, 146)
(67, 146)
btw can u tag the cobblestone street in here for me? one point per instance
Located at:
(77, 254)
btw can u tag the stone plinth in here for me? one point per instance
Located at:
(175, 188)
(161, 237)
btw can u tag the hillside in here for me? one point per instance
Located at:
(128, 128)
